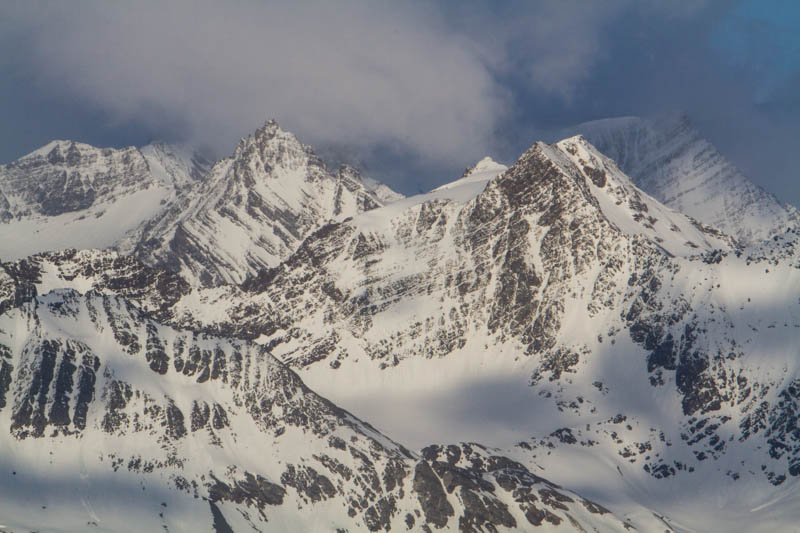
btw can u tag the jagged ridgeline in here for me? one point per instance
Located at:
(172, 208)
(69, 194)
(252, 210)
(622, 364)
(668, 158)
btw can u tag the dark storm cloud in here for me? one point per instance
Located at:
(413, 91)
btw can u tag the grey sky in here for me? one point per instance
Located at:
(413, 91)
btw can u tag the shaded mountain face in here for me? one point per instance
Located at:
(670, 160)
(69, 194)
(176, 165)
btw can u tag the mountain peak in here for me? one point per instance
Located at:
(487, 163)
(270, 129)
(270, 146)
(670, 160)
(575, 173)
(474, 177)
(254, 208)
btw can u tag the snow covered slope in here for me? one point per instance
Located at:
(552, 310)
(635, 213)
(168, 205)
(69, 194)
(114, 422)
(252, 210)
(174, 165)
(671, 161)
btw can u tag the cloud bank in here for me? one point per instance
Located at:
(336, 72)
(414, 91)
(422, 79)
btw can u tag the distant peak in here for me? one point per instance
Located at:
(484, 170)
(485, 166)
(487, 163)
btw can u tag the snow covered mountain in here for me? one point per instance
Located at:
(574, 325)
(175, 165)
(252, 210)
(69, 194)
(670, 160)
(170, 206)
(114, 422)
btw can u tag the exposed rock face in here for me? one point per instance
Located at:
(669, 159)
(96, 403)
(72, 194)
(158, 290)
(67, 176)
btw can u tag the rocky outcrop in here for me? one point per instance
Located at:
(96, 403)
